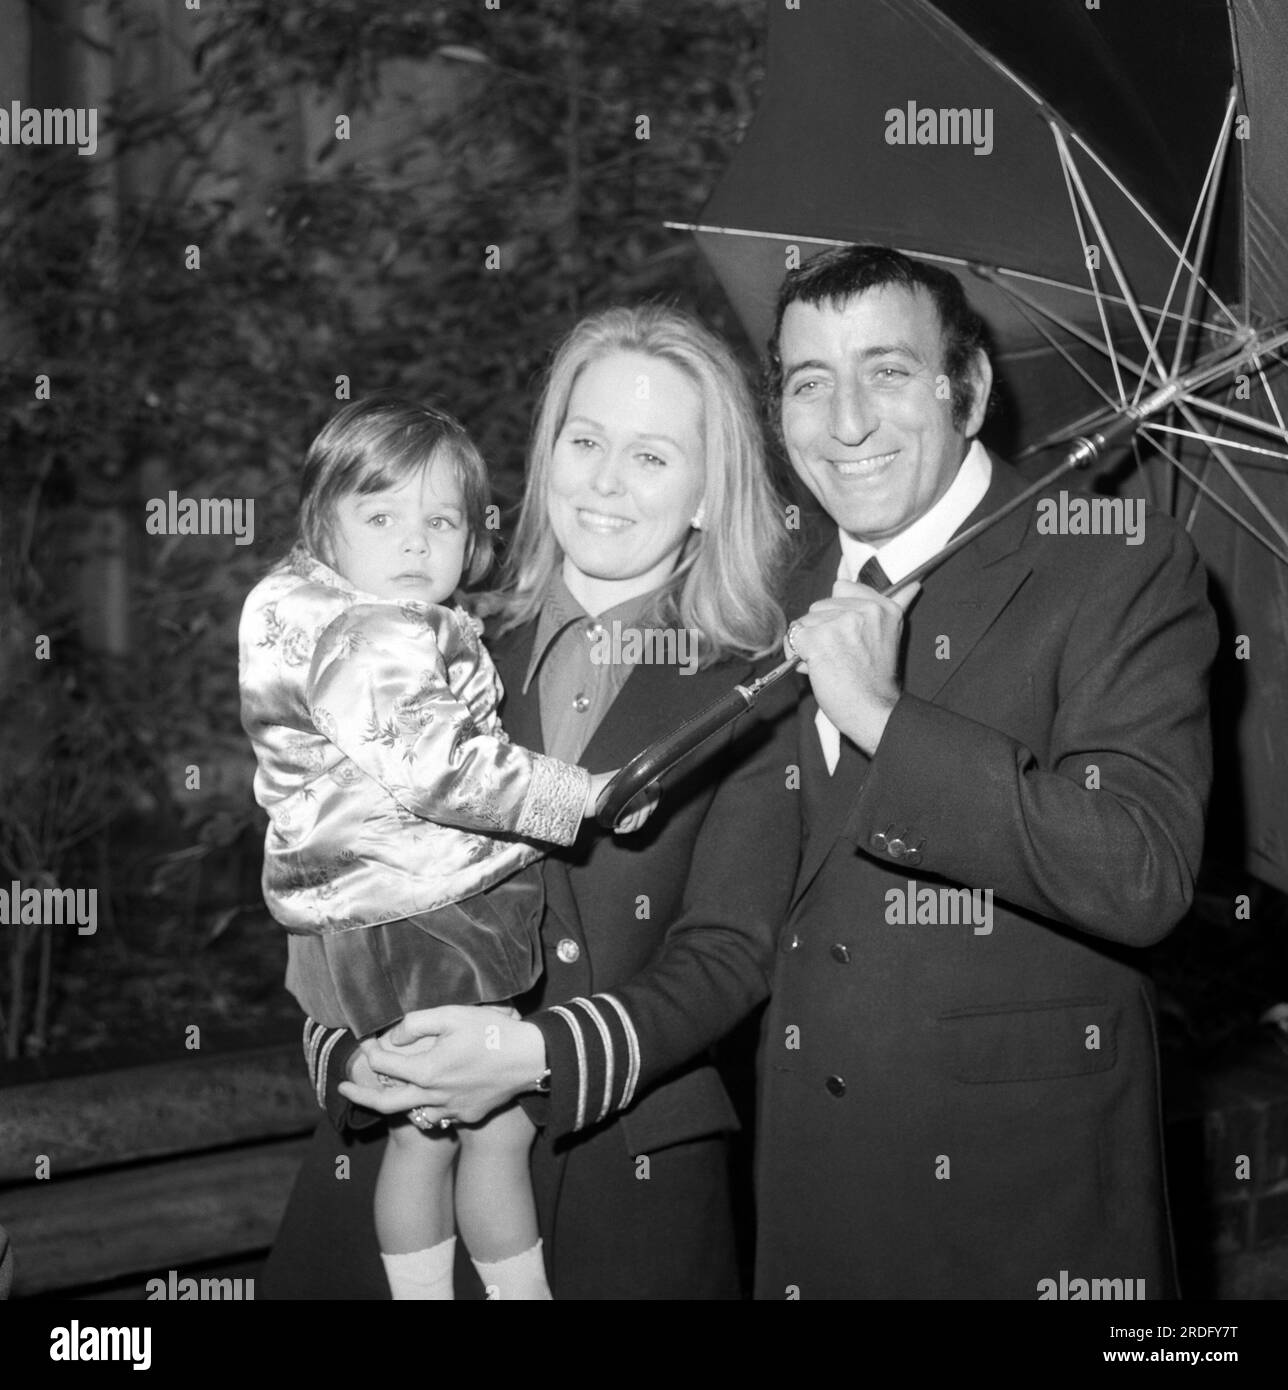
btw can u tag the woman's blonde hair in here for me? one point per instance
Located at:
(725, 583)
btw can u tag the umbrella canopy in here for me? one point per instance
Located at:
(1111, 186)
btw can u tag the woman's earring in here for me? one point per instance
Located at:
(697, 520)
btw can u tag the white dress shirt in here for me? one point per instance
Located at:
(913, 546)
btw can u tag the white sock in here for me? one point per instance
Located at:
(422, 1273)
(521, 1276)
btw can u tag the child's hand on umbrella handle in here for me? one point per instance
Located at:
(644, 804)
(598, 782)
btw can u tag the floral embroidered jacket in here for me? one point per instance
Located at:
(390, 786)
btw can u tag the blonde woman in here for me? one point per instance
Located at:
(647, 510)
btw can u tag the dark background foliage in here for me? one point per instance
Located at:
(319, 260)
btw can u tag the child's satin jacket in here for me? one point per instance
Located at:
(390, 786)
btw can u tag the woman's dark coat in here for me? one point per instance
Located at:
(656, 945)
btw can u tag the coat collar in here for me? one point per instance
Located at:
(966, 595)
(652, 702)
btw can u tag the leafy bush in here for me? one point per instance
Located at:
(210, 381)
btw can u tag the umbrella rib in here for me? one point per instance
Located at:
(1149, 220)
(1225, 439)
(1270, 395)
(1133, 309)
(1011, 272)
(991, 272)
(1064, 352)
(1086, 260)
(1207, 201)
(1219, 365)
(1216, 497)
(1249, 422)
(751, 231)
(1055, 120)
(1214, 443)
(1107, 348)
(1049, 281)
(1181, 262)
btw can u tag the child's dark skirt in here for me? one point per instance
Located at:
(485, 949)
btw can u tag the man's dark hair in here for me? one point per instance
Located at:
(843, 273)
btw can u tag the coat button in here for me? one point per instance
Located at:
(879, 840)
(836, 1085)
(594, 631)
(791, 942)
(913, 856)
(841, 954)
(568, 951)
(581, 703)
(896, 848)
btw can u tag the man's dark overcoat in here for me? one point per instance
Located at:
(950, 1112)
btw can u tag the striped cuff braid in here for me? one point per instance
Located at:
(593, 1051)
(319, 1043)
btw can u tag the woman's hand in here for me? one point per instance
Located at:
(458, 1062)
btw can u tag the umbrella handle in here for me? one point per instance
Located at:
(645, 768)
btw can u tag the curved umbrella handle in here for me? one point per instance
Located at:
(645, 768)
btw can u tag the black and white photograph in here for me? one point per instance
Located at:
(643, 659)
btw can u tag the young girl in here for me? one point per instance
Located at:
(397, 852)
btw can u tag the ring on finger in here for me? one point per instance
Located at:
(421, 1118)
(791, 638)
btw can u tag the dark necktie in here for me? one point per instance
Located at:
(873, 575)
(833, 747)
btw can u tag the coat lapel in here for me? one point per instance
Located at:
(964, 598)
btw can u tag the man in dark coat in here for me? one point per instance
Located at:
(1003, 781)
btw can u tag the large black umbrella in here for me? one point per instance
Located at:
(1111, 186)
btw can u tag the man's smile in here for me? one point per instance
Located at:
(871, 466)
